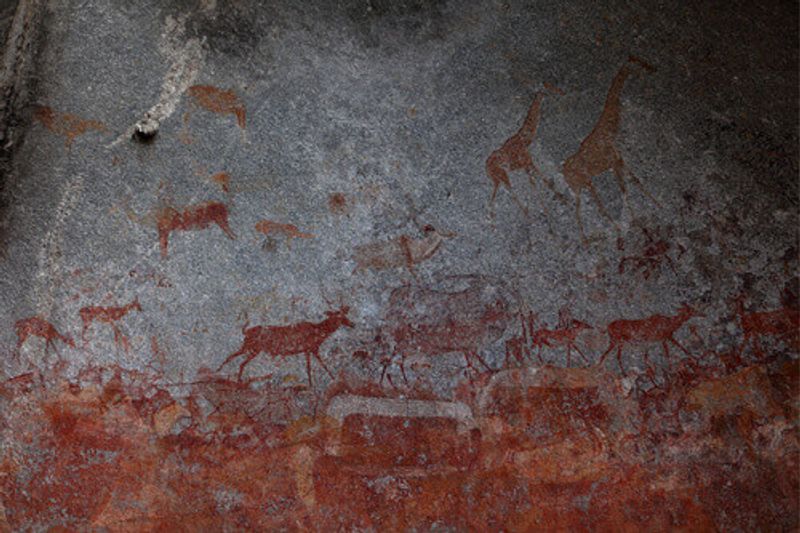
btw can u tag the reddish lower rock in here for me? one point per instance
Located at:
(383, 471)
(104, 460)
(539, 449)
(556, 425)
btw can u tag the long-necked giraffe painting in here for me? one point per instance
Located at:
(513, 155)
(598, 151)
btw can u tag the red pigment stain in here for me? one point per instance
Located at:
(193, 217)
(337, 203)
(223, 180)
(157, 278)
(159, 357)
(461, 322)
(218, 101)
(553, 89)
(110, 316)
(657, 328)
(39, 327)
(783, 323)
(290, 231)
(655, 252)
(70, 126)
(281, 341)
(402, 251)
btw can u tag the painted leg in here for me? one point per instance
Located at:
(539, 355)
(244, 364)
(480, 359)
(385, 369)
(230, 358)
(163, 240)
(620, 176)
(578, 217)
(83, 334)
(676, 343)
(223, 224)
(601, 207)
(323, 365)
(603, 357)
(636, 181)
(580, 353)
(532, 181)
(469, 364)
(666, 353)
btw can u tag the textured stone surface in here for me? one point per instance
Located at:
(412, 265)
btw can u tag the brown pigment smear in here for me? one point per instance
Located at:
(68, 125)
(218, 101)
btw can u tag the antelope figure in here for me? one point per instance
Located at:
(513, 155)
(656, 328)
(39, 327)
(290, 231)
(563, 336)
(110, 316)
(282, 341)
(598, 151)
(192, 217)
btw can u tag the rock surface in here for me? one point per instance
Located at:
(400, 265)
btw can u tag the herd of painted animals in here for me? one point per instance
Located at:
(449, 335)
(299, 470)
(597, 154)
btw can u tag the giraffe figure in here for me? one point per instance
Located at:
(513, 155)
(598, 152)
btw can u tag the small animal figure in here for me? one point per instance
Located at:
(563, 336)
(38, 327)
(68, 125)
(283, 341)
(656, 328)
(290, 231)
(110, 316)
(402, 251)
(193, 217)
(428, 323)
